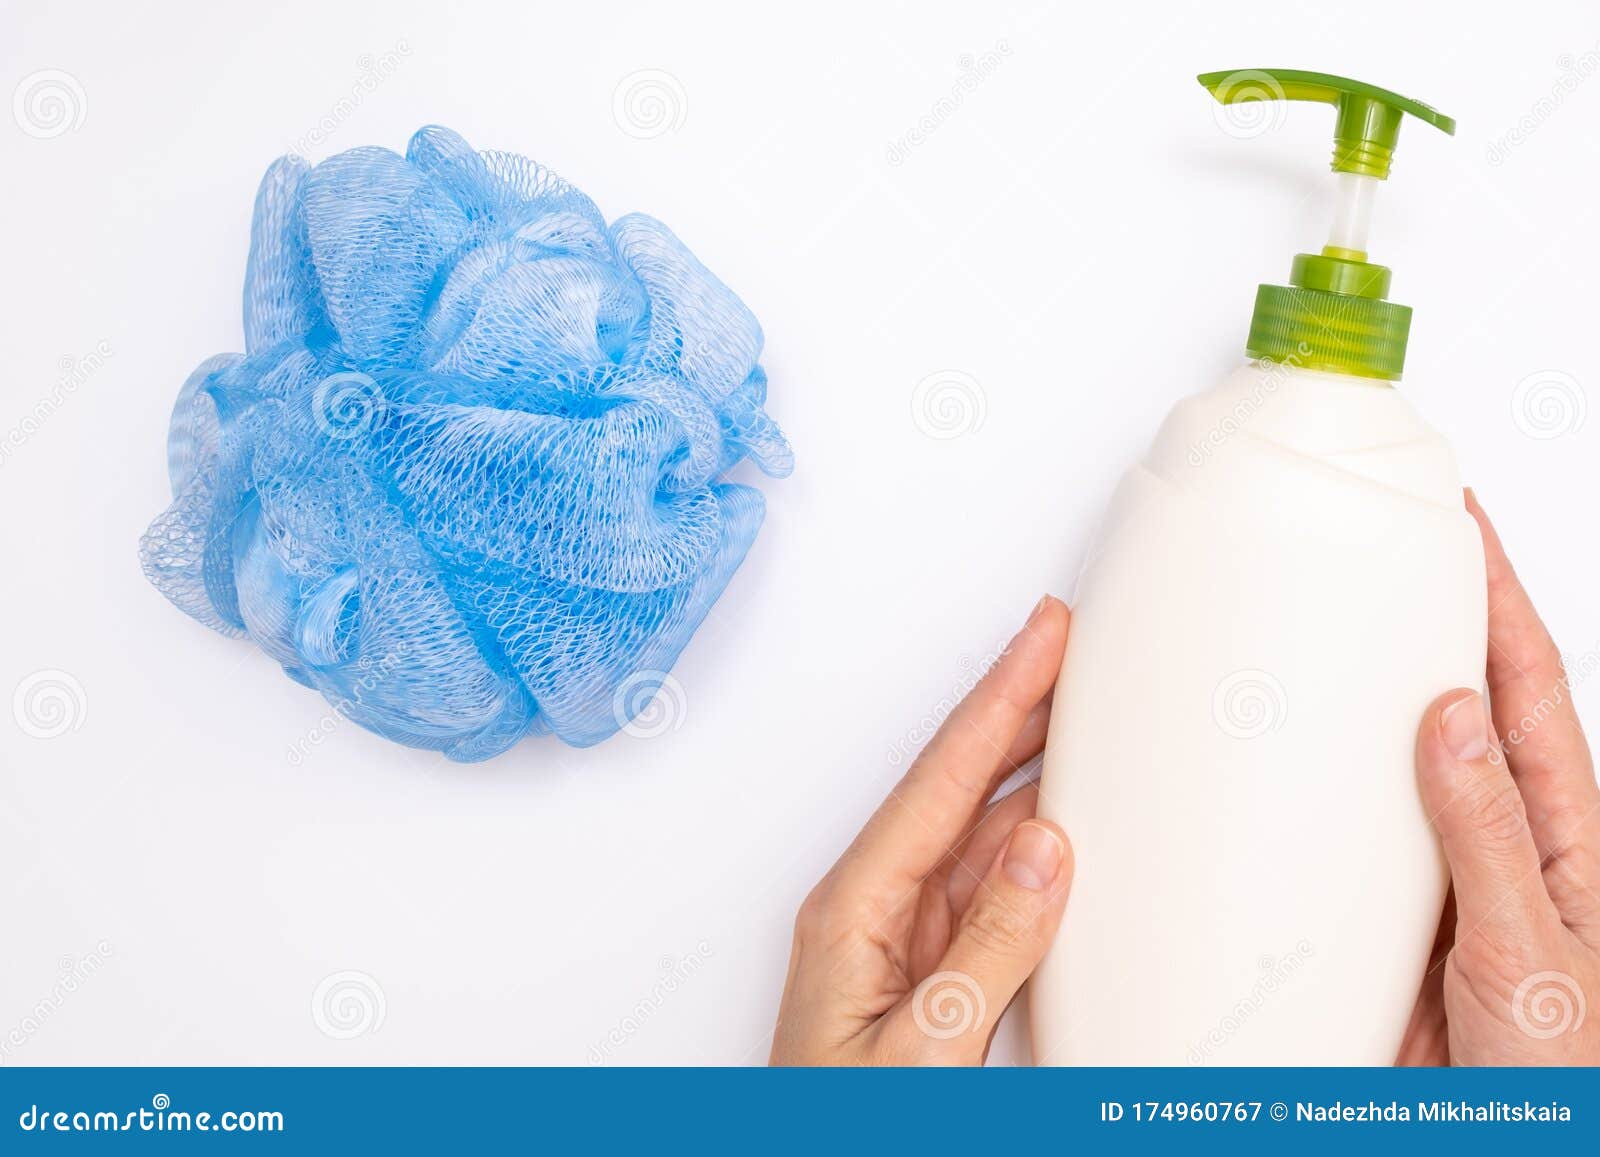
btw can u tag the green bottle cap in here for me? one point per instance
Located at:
(1334, 314)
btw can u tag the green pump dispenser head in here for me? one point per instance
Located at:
(1334, 314)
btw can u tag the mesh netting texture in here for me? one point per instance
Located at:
(469, 480)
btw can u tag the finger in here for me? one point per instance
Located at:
(946, 893)
(977, 852)
(1481, 820)
(999, 941)
(1531, 697)
(930, 810)
(1030, 740)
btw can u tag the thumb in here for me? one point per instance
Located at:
(1000, 940)
(1474, 803)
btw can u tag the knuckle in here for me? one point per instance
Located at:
(1548, 659)
(999, 928)
(955, 776)
(812, 917)
(827, 917)
(1492, 807)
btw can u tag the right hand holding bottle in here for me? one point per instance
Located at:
(1518, 957)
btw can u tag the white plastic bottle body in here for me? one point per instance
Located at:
(1278, 591)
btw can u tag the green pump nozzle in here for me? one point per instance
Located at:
(1369, 117)
(1334, 316)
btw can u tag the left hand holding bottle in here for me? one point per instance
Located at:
(913, 944)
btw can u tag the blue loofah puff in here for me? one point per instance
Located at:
(467, 481)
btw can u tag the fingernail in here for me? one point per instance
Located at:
(1038, 608)
(1033, 857)
(1464, 728)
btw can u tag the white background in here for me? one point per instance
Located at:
(1080, 236)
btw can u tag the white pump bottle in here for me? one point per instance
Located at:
(1280, 588)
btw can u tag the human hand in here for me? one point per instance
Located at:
(1518, 954)
(913, 944)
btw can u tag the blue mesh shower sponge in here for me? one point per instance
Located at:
(467, 481)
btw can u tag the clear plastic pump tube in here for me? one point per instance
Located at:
(1352, 216)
